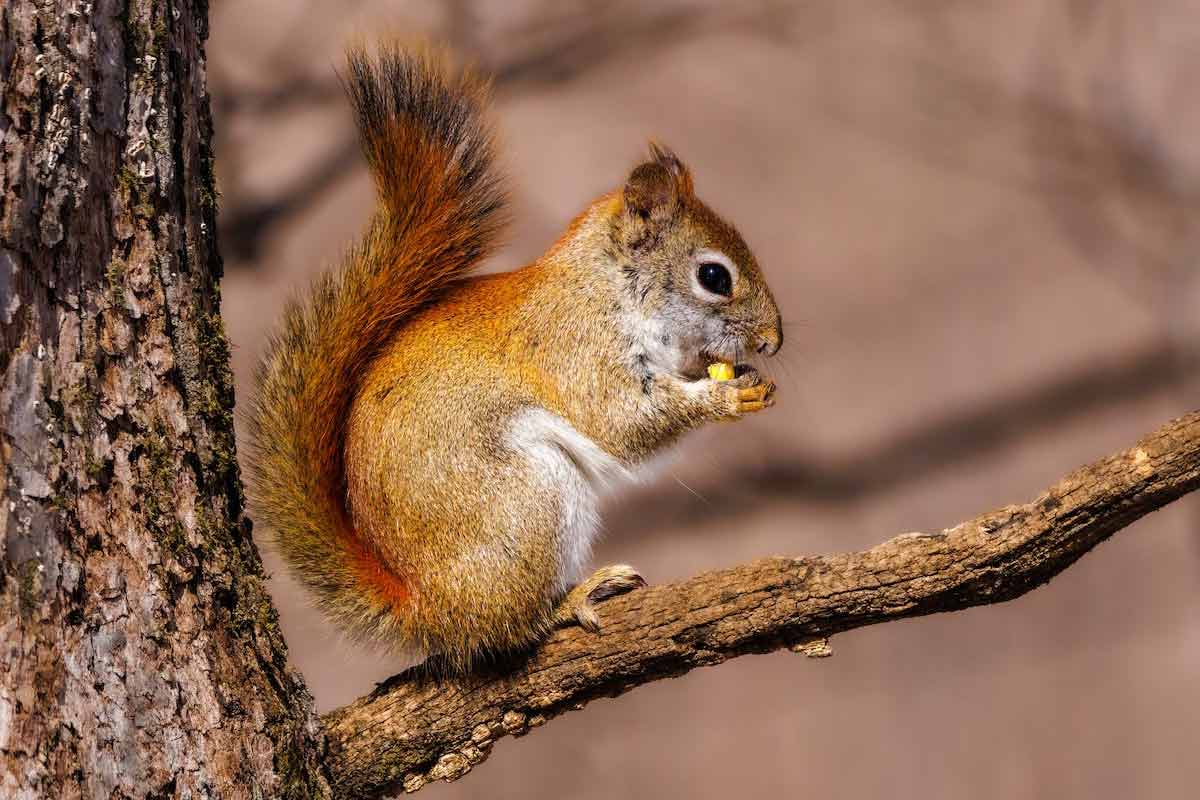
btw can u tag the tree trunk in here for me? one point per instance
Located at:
(139, 651)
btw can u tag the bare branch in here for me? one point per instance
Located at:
(416, 728)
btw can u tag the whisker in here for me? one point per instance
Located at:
(782, 363)
(696, 494)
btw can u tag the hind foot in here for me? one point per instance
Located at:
(579, 606)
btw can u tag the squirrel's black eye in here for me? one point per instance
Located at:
(715, 278)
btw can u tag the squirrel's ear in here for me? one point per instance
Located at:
(656, 188)
(661, 154)
(650, 192)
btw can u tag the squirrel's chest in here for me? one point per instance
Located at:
(573, 471)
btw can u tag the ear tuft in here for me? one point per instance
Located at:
(661, 154)
(657, 187)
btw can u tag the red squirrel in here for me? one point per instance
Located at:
(427, 445)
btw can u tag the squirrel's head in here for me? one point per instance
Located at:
(700, 294)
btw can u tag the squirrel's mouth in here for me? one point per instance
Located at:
(697, 369)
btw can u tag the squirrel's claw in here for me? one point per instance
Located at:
(579, 606)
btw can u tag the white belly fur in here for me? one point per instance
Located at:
(578, 469)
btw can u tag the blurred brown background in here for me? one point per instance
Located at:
(980, 221)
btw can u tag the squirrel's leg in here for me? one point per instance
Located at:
(579, 604)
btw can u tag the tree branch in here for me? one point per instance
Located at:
(417, 727)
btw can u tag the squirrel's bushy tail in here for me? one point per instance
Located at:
(441, 208)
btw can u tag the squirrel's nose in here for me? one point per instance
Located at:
(771, 339)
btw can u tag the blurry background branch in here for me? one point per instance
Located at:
(418, 727)
(1121, 187)
(554, 48)
(955, 438)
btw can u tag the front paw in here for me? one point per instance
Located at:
(746, 393)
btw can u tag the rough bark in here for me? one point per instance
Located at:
(417, 727)
(139, 652)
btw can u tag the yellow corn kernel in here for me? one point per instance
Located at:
(720, 371)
